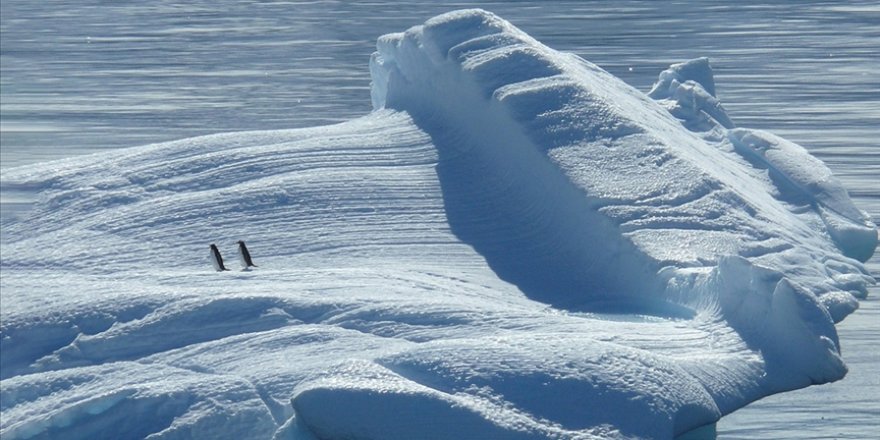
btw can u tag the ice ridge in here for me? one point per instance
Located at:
(622, 203)
(608, 175)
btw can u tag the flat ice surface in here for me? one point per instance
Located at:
(197, 191)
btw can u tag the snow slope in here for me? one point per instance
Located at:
(515, 244)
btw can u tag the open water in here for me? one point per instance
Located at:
(80, 77)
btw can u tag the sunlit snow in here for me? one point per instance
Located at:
(514, 244)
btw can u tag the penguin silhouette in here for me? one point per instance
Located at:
(217, 259)
(244, 256)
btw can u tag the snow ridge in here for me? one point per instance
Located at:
(554, 115)
(585, 138)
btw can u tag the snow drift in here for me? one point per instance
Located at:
(514, 244)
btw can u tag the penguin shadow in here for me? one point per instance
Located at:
(244, 258)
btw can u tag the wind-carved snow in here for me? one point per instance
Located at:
(515, 244)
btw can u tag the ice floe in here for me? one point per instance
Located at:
(514, 244)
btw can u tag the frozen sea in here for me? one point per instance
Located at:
(79, 78)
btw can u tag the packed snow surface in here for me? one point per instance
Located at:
(514, 245)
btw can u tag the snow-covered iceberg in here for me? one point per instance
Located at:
(514, 244)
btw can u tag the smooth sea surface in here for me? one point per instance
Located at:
(81, 77)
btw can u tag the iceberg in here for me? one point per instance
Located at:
(514, 244)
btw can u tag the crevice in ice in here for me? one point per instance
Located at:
(121, 412)
(25, 344)
(194, 322)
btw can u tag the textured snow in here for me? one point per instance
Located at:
(514, 244)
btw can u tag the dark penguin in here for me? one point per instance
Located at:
(244, 256)
(217, 259)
